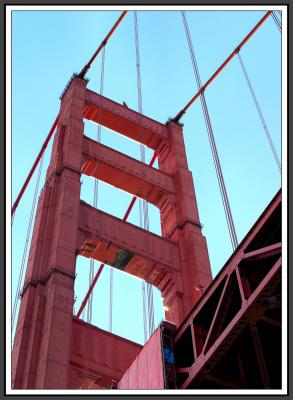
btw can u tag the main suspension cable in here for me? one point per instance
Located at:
(35, 164)
(260, 114)
(27, 240)
(222, 66)
(102, 45)
(222, 186)
(81, 75)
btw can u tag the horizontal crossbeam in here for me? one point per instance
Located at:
(125, 246)
(125, 172)
(123, 120)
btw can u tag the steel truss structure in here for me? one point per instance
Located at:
(232, 337)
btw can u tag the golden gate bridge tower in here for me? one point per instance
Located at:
(217, 334)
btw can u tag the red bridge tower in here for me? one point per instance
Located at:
(49, 348)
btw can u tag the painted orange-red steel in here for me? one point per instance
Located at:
(124, 120)
(146, 371)
(97, 355)
(205, 346)
(98, 273)
(223, 65)
(125, 172)
(64, 227)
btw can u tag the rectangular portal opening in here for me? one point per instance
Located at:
(118, 142)
(116, 202)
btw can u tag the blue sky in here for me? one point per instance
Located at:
(48, 46)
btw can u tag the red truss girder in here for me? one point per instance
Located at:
(237, 303)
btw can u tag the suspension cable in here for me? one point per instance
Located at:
(150, 308)
(35, 164)
(143, 209)
(96, 188)
(222, 186)
(222, 66)
(260, 113)
(91, 277)
(96, 182)
(277, 21)
(111, 300)
(102, 45)
(28, 235)
(142, 157)
(145, 334)
(81, 75)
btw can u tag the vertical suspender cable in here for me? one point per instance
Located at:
(144, 313)
(277, 21)
(96, 182)
(149, 288)
(143, 204)
(111, 300)
(95, 204)
(260, 114)
(150, 308)
(222, 66)
(142, 157)
(224, 195)
(28, 235)
(89, 306)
